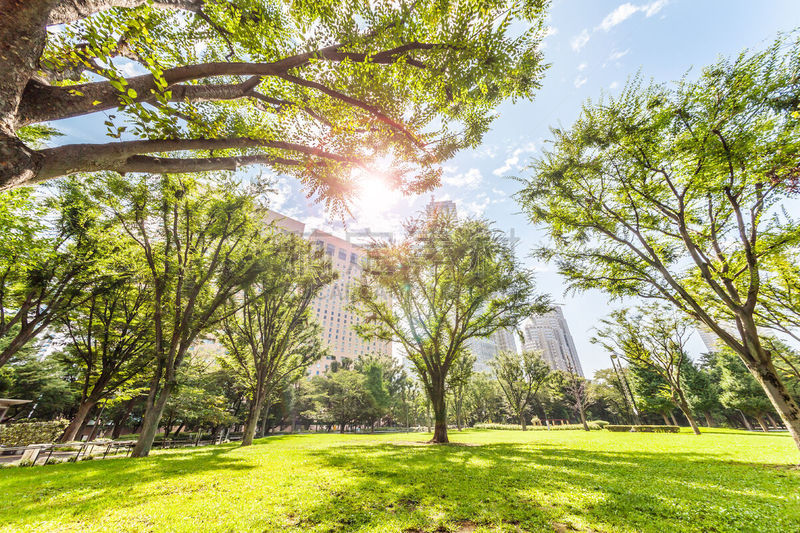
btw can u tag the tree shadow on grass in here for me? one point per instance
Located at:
(535, 488)
(98, 485)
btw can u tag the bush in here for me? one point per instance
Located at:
(25, 433)
(601, 423)
(592, 425)
(645, 429)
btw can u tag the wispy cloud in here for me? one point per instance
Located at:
(580, 81)
(469, 179)
(625, 11)
(580, 40)
(513, 160)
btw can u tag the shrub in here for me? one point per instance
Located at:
(645, 429)
(25, 433)
(592, 425)
(601, 423)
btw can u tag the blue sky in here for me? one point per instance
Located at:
(593, 47)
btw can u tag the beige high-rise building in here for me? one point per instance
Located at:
(331, 306)
(550, 335)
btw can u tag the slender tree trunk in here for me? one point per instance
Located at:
(762, 423)
(773, 421)
(93, 434)
(674, 420)
(666, 420)
(71, 432)
(747, 423)
(265, 419)
(252, 419)
(687, 412)
(522, 421)
(709, 420)
(151, 420)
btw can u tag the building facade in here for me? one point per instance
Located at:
(549, 334)
(331, 307)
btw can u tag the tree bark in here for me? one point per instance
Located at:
(762, 423)
(782, 401)
(747, 423)
(666, 420)
(439, 404)
(522, 422)
(265, 419)
(674, 420)
(151, 420)
(709, 420)
(252, 419)
(77, 421)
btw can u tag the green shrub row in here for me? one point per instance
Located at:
(25, 433)
(645, 429)
(592, 425)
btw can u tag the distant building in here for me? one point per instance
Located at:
(550, 335)
(445, 206)
(330, 308)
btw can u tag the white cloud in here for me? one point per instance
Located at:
(580, 40)
(474, 208)
(616, 55)
(469, 179)
(582, 67)
(513, 160)
(625, 11)
(580, 81)
(613, 85)
(282, 189)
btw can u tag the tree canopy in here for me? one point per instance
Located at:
(316, 90)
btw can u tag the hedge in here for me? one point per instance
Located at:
(592, 425)
(25, 433)
(645, 429)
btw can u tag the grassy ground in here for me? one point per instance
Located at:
(490, 481)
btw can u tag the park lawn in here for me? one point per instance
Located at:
(487, 481)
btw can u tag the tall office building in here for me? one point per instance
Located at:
(550, 335)
(486, 348)
(331, 306)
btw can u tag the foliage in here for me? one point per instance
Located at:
(520, 375)
(676, 193)
(41, 380)
(653, 336)
(343, 398)
(320, 91)
(552, 427)
(25, 433)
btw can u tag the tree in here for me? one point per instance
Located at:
(41, 380)
(520, 375)
(342, 398)
(611, 399)
(651, 392)
(675, 194)
(269, 332)
(653, 336)
(110, 343)
(703, 389)
(447, 281)
(457, 381)
(201, 244)
(51, 250)
(483, 400)
(314, 91)
(576, 392)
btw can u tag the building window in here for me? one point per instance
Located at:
(342, 255)
(331, 248)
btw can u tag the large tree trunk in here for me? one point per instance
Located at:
(439, 404)
(265, 419)
(666, 420)
(782, 401)
(77, 421)
(687, 412)
(151, 420)
(522, 421)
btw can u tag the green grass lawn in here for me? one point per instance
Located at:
(490, 481)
